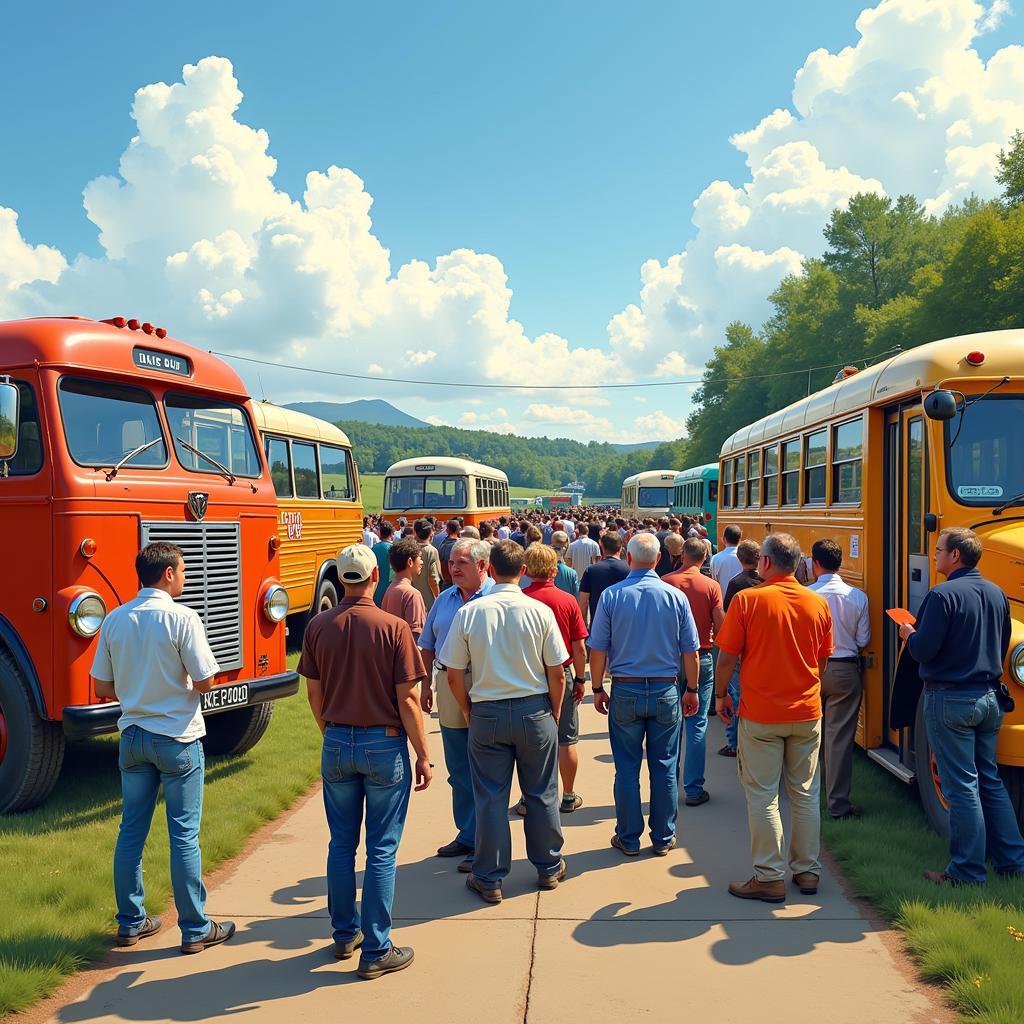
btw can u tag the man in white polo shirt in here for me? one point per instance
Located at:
(517, 653)
(154, 658)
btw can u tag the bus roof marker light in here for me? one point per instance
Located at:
(147, 328)
(161, 332)
(975, 358)
(133, 324)
(115, 321)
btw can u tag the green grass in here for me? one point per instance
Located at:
(959, 937)
(56, 895)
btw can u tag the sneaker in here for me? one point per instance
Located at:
(754, 889)
(617, 843)
(466, 864)
(217, 934)
(806, 882)
(551, 881)
(570, 802)
(488, 895)
(520, 808)
(344, 950)
(397, 958)
(149, 927)
(663, 851)
(727, 751)
(696, 801)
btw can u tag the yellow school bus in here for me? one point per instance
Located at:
(880, 462)
(319, 510)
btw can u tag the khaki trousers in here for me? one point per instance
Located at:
(767, 755)
(841, 691)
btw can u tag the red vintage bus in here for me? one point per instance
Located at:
(113, 435)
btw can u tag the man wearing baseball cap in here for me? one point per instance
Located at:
(363, 671)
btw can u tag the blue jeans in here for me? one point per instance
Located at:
(456, 757)
(146, 760)
(696, 726)
(962, 729)
(639, 713)
(734, 692)
(505, 735)
(364, 766)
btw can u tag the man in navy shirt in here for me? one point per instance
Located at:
(960, 642)
(597, 578)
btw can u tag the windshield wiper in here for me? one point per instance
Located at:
(131, 455)
(209, 458)
(1015, 500)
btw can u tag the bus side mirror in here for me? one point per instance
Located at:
(9, 402)
(940, 405)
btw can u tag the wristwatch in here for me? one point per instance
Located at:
(597, 689)
(692, 689)
(578, 680)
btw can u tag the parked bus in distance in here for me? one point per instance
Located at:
(695, 493)
(319, 511)
(880, 462)
(556, 502)
(124, 436)
(443, 486)
(647, 494)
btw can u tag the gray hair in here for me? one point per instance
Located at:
(784, 551)
(645, 549)
(559, 539)
(470, 532)
(479, 550)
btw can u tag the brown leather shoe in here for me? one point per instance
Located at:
(941, 878)
(806, 882)
(769, 892)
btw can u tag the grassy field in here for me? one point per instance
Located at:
(59, 913)
(970, 939)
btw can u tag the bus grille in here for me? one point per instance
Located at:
(213, 585)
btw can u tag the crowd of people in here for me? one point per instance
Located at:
(498, 628)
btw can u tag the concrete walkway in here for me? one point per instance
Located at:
(648, 938)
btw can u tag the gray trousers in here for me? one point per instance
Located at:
(519, 734)
(841, 691)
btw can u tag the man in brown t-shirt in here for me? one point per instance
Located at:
(363, 671)
(402, 598)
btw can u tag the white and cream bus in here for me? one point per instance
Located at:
(443, 486)
(648, 494)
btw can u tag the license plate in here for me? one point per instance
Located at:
(228, 695)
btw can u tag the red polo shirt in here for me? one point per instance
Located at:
(704, 595)
(566, 609)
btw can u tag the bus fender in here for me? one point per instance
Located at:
(12, 641)
(329, 570)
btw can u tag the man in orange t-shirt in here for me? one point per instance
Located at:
(783, 633)
(705, 598)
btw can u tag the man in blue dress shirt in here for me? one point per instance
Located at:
(643, 632)
(467, 563)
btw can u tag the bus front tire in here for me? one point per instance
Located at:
(1013, 780)
(31, 750)
(928, 783)
(326, 597)
(235, 732)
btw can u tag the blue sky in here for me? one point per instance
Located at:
(569, 141)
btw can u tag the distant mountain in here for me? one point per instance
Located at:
(372, 410)
(643, 446)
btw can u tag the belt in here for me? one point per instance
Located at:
(845, 661)
(389, 730)
(930, 684)
(646, 679)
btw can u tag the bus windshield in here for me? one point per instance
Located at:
(654, 497)
(218, 429)
(104, 422)
(405, 492)
(986, 465)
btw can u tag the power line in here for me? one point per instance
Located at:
(537, 387)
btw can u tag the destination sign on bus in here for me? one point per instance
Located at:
(150, 359)
(424, 468)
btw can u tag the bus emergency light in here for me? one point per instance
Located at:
(975, 358)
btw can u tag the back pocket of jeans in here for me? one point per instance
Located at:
(172, 757)
(623, 709)
(960, 712)
(330, 764)
(667, 711)
(482, 730)
(386, 767)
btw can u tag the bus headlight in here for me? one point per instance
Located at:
(86, 614)
(1017, 664)
(275, 602)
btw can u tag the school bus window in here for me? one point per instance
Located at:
(754, 478)
(915, 487)
(984, 468)
(727, 483)
(791, 472)
(280, 465)
(771, 475)
(28, 459)
(815, 458)
(847, 452)
(740, 476)
(712, 490)
(304, 458)
(219, 430)
(336, 472)
(103, 422)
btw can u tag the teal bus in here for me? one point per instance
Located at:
(695, 493)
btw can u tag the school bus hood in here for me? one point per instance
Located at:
(1003, 560)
